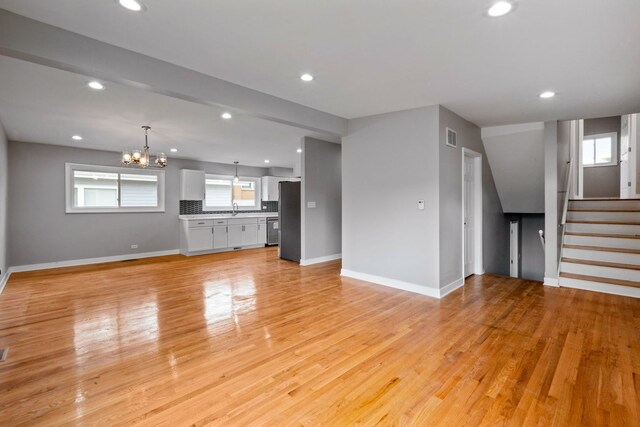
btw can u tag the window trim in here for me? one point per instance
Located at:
(614, 149)
(69, 168)
(258, 190)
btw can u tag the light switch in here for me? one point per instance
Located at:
(421, 205)
(311, 205)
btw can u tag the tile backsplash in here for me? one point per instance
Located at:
(194, 207)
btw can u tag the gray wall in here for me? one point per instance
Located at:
(322, 184)
(602, 181)
(389, 162)
(551, 196)
(4, 179)
(531, 250)
(40, 231)
(496, 226)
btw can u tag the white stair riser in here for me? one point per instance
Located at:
(604, 228)
(600, 287)
(619, 257)
(598, 271)
(605, 204)
(606, 242)
(604, 216)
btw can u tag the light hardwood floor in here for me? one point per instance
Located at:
(247, 339)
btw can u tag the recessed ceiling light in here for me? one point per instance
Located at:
(299, 150)
(306, 77)
(76, 137)
(174, 150)
(226, 116)
(547, 94)
(133, 5)
(96, 85)
(500, 8)
(266, 161)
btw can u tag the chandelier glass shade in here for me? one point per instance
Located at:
(142, 158)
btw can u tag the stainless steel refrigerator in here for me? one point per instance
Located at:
(289, 220)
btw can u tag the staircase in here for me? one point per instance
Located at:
(601, 246)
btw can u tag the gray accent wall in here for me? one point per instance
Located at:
(602, 181)
(389, 162)
(4, 202)
(41, 232)
(531, 250)
(321, 184)
(495, 225)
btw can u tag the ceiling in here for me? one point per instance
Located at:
(47, 105)
(372, 57)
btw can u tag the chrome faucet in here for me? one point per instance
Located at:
(234, 209)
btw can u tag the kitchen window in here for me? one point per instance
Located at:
(99, 189)
(600, 150)
(222, 193)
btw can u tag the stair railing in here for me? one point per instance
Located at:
(565, 207)
(541, 233)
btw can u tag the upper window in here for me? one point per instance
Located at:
(93, 189)
(600, 150)
(222, 193)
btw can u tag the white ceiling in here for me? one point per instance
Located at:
(46, 105)
(372, 56)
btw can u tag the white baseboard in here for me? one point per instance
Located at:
(86, 261)
(311, 261)
(5, 279)
(551, 281)
(392, 283)
(446, 290)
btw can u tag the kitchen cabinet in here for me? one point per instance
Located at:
(270, 190)
(262, 233)
(234, 236)
(200, 239)
(192, 185)
(220, 237)
(249, 234)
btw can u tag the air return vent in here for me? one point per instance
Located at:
(452, 138)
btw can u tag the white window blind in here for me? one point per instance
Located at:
(139, 190)
(218, 193)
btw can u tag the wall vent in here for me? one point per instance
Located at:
(452, 138)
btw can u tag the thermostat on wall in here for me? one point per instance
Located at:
(421, 205)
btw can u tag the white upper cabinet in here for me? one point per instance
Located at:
(192, 185)
(270, 191)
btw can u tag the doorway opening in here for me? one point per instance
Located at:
(471, 213)
(514, 249)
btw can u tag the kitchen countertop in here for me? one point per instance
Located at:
(227, 216)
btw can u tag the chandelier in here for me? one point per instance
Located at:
(141, 158)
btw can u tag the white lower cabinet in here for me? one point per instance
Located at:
(220, 237)
(234, 236)
(200, 239)
(262, 233)
(200, 235)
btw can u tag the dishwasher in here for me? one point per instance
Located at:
(273, 232)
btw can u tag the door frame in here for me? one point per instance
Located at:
(478, 267)
(514, 240)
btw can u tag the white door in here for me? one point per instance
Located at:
(219, 237)
(625, 176)
(514, 252)
(200, 239)
(469, 217)
(249, 234)
(234, 236)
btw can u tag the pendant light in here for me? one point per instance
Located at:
(142, 158)
(236, 178)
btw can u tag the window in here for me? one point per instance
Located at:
(600, 150)
(92, 189)
(222, 192)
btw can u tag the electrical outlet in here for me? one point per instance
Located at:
(134, 246)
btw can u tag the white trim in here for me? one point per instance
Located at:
(311, 261)
(551, 281)
(447, 289)
(86, 261)
(600, 287)
(514, 237)
(392, 283)
(68, 186)
(580, 169)
(5, 279)
(614, 148)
